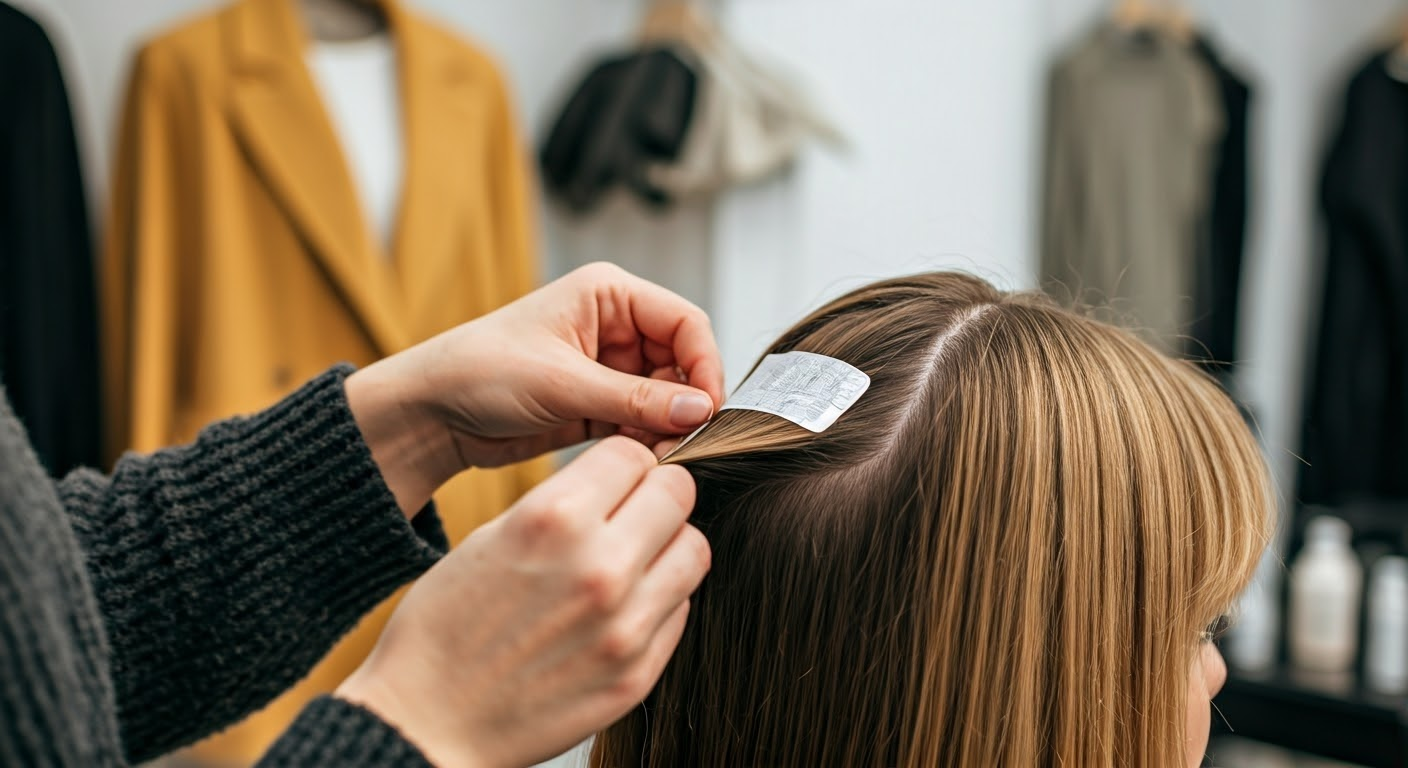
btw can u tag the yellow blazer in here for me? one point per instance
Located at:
(238, 261)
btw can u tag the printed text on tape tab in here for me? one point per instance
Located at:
(807, 389)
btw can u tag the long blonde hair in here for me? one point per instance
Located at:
(1003, 555)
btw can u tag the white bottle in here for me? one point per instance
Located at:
(1325, 587)
(1386, 654)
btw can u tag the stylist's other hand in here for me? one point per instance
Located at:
(594, 353)
(547, 624)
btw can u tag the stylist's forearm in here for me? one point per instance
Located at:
(413, 450)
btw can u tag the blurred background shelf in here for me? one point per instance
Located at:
(1332, 717)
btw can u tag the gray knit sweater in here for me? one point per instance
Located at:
(142, 611)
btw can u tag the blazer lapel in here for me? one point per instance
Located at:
(278, 116)
(440, 94)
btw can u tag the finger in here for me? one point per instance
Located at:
(597, 482)
(632, 686)
(669, 373)
(667, 639)
(673, 323)
(625, 400)
(658, 354)
(625, 357)
(663, 448)
(649, 439)
(598, 429)
(652, 517)
(662, 646)
(676, 573)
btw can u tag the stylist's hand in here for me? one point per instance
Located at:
(547, 624)
(597, 352)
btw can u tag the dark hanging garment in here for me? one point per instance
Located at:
(48, 328)
(629, 113)
(1219, 283)
(1356, 426)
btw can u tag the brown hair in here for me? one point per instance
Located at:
(1003, 554)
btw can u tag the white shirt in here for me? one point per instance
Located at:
(361, 92)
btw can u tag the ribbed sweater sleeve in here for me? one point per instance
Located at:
(56, 698)
(334, 732)
(225, 569)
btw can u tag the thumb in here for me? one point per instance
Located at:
(654, 405)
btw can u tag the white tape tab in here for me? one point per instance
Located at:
(807, 389)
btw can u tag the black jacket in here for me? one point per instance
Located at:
(48, 327)
(1219, 271)
(1356, 425)
(628, 112)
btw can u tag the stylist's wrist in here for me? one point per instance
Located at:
(369, 692)
(411, 447)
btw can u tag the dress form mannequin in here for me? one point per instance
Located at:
(336, 21)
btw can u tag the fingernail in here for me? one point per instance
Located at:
(690, 410)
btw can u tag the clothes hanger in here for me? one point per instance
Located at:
(682, 21)
(1171, 18)
(1396, 62)
(341, 21)
(1179, 22)
(1133, 14)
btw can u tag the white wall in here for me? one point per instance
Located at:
(941, 99)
